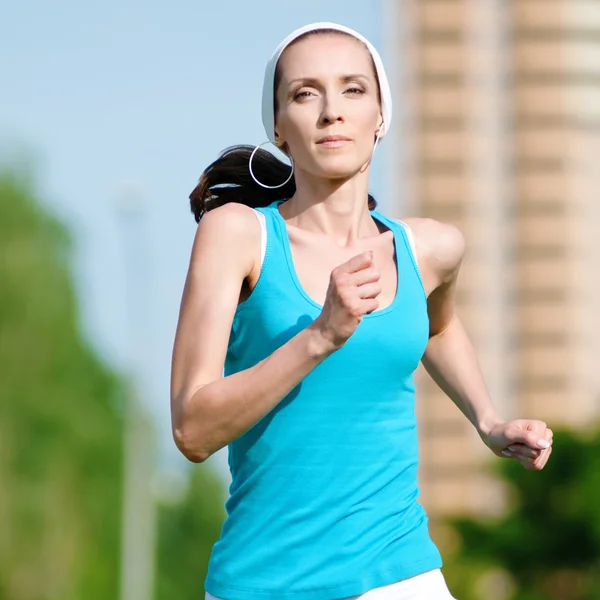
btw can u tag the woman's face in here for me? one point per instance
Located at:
(328, 109)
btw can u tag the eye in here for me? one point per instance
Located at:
(302, 94)
(355, 90)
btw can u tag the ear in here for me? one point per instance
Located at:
(279, 142)
(380, 131)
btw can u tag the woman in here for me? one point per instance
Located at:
(319, 308)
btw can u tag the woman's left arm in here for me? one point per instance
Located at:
(450, 358)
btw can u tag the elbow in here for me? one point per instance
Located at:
(193, 432)
(189, 445)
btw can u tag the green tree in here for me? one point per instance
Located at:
(549, 540)
(187, 532)
(60, 430)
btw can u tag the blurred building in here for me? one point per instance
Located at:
(499, 104)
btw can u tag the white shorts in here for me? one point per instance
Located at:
(427, 586)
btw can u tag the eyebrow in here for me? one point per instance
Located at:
(343, 79)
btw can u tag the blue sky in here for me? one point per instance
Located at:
(109, 98)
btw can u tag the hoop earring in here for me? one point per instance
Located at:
(270, 187)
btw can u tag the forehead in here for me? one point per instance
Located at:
(324, 55)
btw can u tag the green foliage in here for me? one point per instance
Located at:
(187, 532)
(549, 540)
(60, 435)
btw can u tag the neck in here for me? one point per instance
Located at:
(332, 207)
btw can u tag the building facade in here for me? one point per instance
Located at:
(498, 132)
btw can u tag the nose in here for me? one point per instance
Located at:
(331, 111)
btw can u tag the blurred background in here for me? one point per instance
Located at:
(108, 115)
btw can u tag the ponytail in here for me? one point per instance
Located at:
(228, 179)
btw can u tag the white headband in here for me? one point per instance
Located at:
(268, 111)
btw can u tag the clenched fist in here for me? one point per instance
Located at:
(352, 293)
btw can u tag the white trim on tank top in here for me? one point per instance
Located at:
(263, 236)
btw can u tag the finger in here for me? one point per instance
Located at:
(535, 464)
(540, 462)
(526, 462)
(530, 438)
(530, 466)
(358, 262)
(367, 275)
(543, 459)
(508, 453)
(369, 290)
(538, 428)
(519, 458)
(369, 305)
(524, 451)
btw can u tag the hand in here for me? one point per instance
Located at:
(527, 441)
(352, 293)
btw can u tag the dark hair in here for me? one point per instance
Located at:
(228, 178)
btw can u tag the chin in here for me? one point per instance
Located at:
(339, 167)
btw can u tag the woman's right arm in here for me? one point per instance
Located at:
(208, 410)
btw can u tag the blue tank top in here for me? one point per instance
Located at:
(323, 500)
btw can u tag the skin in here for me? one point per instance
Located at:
(344, 261)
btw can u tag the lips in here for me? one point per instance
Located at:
(333, 140)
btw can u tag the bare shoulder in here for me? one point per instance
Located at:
(235, 219)
(232, 229)
(440, 245)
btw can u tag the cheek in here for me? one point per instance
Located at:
(369, 118)
(300, 117)
(296, 126)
